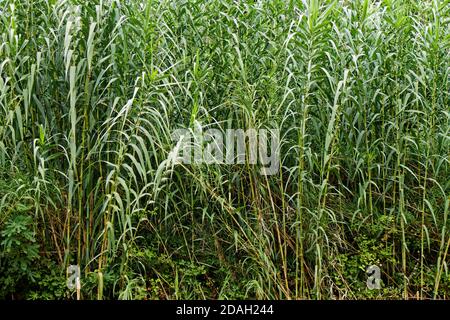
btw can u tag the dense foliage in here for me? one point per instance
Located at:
(91, 91)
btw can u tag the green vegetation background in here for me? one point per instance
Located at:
(90, 92)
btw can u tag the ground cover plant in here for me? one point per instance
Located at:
(91, 92)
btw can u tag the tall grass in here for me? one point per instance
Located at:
(91, 91)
